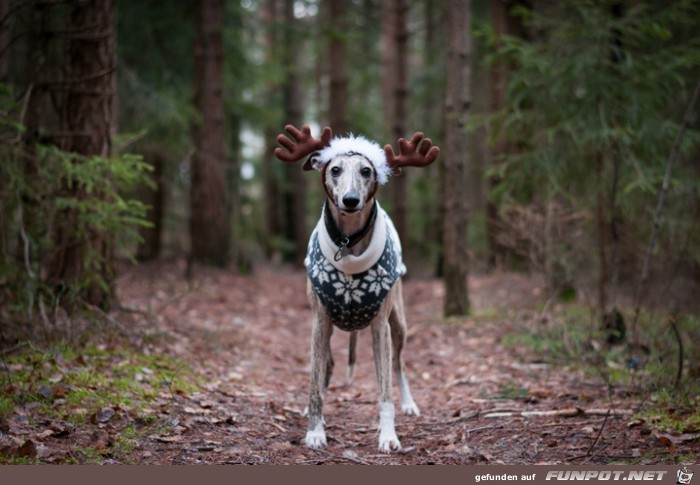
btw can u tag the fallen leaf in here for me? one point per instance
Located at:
(45, 434)
(281, 445)
(167, 439)
(104, 415)
(672, 440)
(99, 440)
(465, 450)
(58, 391)
(666, 441)
(234, 376)
(279, 427)
(56, 378)
(45, 392)
(27, 450)
(35, 404)
(61, 429)
(8, 450)
(485, 456)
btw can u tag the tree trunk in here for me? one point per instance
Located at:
(273, 223)
(337, 109)
(602, 233)
(154, 198)
(503, 23)
(395, 90)
(209, 218)
(4, 42)
(83, 120)
(432, 115)
(499, 22)
(456, 159)
(294, 190)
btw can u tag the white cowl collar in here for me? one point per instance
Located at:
(351, 264)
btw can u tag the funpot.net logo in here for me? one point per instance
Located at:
(606, 475)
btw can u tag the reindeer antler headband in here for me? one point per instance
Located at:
(418, 152)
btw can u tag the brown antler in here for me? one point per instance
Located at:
(301, 143)
(412, 153)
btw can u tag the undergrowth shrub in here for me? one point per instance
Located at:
(53, 203)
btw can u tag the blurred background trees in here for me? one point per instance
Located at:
(145, 129)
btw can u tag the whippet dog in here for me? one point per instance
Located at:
(354, 265)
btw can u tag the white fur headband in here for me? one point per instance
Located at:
(362, 146)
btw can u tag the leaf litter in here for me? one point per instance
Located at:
(219, 375)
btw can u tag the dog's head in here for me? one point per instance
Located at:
(350, 181)
(352, 167)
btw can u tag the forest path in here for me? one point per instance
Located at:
(248, 339)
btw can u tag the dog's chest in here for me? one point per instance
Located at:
(352, 300)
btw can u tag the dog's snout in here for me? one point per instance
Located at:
(351, 201)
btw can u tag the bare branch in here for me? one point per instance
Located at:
(658, 213)
(679, 372)
(566, 413)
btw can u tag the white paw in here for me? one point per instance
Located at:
(410, 409)
(351, 375)
(316, 438)
(389, 442)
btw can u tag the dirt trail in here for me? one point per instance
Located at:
(248, 337)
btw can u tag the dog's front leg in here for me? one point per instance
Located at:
(320, 361)
(381, 344)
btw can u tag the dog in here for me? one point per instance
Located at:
(354, 265)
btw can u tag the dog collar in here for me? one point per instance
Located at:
(343, 242)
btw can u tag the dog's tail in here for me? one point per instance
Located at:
(351, 356)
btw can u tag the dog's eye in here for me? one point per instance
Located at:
(335, 171)
(366, 172)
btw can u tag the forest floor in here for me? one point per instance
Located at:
(234, 351)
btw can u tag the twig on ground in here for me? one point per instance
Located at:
(600, 432)
(468, 417)
(567, 413)
(482, 428)
(347, 456)
(571, 423)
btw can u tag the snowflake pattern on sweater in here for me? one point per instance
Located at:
(352, 300)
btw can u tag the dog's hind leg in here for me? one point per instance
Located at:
(321, 367)
(351, 356)
(330, 364)
(397, 320)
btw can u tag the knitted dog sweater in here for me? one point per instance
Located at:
(353, 288)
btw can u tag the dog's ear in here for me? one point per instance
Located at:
(313, 163)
